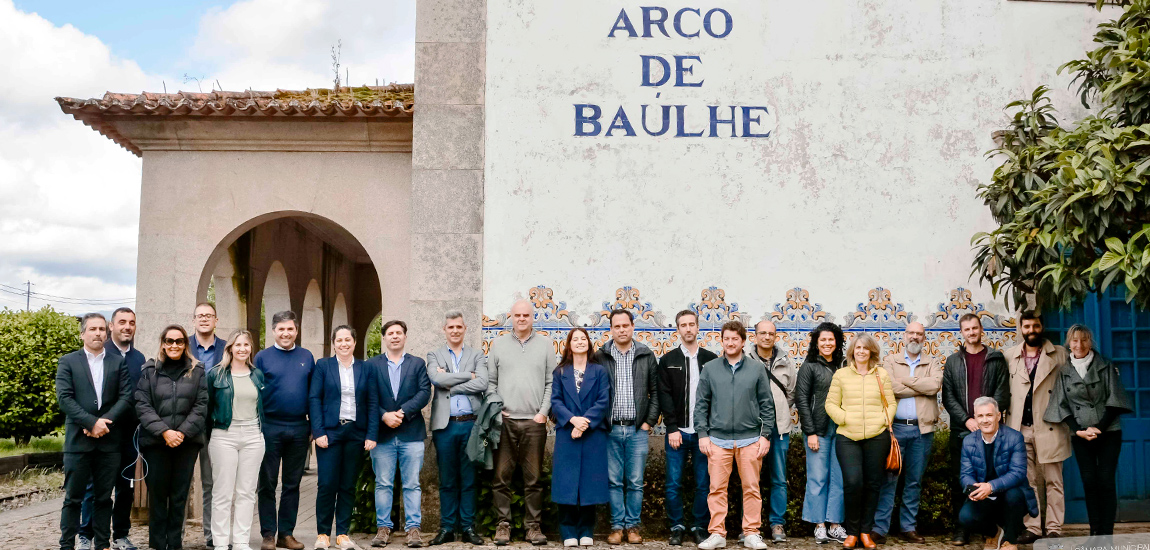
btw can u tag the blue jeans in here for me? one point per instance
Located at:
(676, 462)
(384, 457)
(915, 448)
(823, 501)
(456, 476)
(626, 460)
(775, 463)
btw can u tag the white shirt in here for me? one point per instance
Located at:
(693, 368)
(123, 350)
(346, 392)
(96, 367)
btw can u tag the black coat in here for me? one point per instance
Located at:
(76, 394)
(814, 381)
(995, 383)
(177, 401)
(674, 383)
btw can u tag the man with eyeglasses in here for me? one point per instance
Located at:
(783, 376)
(208, 349)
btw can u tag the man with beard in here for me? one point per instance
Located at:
(121, 333)
(678, 379)
(1034, 368)
(207, 348)
(916, 381)
(971, 372)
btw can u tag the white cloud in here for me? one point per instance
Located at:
(268, 44)
(70, 214)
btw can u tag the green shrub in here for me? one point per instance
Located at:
(31, 344)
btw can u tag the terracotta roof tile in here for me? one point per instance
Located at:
(393, 101)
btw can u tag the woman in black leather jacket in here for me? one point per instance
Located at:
(823, 502)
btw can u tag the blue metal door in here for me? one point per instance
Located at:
(1123, 334)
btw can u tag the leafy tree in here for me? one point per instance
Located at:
(31, 344)
(1072, 204)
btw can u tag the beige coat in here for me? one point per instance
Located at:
(923, 387)
(1051, 441)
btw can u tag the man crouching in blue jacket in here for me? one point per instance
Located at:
(993, 474)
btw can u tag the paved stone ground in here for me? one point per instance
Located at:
(38, 527)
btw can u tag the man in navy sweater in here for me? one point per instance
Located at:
(121, 334)
(287, 369)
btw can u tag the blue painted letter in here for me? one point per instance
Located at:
(582, 119)
(623, 23)
(647, 70)
(748, 119)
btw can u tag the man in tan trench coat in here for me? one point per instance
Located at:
(1034, 365)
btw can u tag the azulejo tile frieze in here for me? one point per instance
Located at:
(794, 317)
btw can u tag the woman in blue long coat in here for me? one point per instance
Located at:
(580, 397)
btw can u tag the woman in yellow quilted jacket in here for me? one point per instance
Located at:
(862, 403)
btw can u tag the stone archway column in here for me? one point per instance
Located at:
(447, 169)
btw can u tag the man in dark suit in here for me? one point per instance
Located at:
(121, 338)
(92, 387)
(403, 390)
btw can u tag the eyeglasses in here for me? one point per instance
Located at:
(205, 316)
(175, 341)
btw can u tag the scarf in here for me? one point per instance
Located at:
(1080, 365)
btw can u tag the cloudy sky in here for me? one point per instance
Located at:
(69, 198)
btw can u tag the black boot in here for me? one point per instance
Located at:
(444, 535)
(700, 535)
(469, 535)
(676, 538)
(960, 538)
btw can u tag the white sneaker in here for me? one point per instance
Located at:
(754, 541)
(84, 543)
(837, 532)
(821, 534)
(586, 541)
(570, 542)
(123, 544)
(714, 541)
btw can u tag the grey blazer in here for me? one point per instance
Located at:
(449, 384)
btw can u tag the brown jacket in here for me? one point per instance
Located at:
(923, 387)
(1051, 441)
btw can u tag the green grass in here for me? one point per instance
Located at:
(47, 444)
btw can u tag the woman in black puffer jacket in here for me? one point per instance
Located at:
(823, 502)
(172, 403)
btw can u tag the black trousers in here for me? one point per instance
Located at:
(338, 466)
(863, 463)
(125, 494)
(169, 479)
(986, 516)
(80, 469)
(286, 445)
(576, 521)
(1098, 464)
(954, 446)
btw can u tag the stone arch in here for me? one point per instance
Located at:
(312, 329)
(276, 298)
(298, 261)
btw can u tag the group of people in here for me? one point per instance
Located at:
(250, 419)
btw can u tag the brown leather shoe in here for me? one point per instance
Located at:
(633, 536)
(912, 536)
(616, 537)
(382, 537)
(502, 534)
(867, 542)
(414, 538)
(289, 542)
(850, 542)
(1008, 546)
(877, 538)
(269, 543)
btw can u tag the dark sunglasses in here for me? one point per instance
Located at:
(175, 341)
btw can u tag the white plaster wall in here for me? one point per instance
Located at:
(884, 108)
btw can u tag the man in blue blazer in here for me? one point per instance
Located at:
(993, 475)
(93, 388)
(120, 343)
(403, 390)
